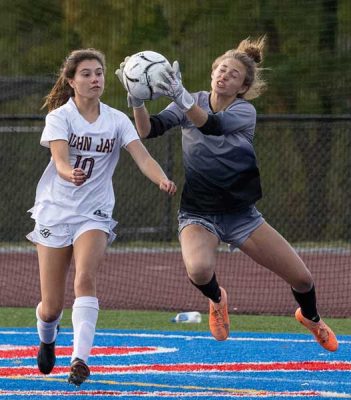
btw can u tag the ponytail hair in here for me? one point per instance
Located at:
(62, 91)
(250, 54)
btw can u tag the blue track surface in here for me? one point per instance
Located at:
(180, 365)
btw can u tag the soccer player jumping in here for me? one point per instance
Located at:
(222, 183)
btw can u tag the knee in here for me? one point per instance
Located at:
(200, 272)
(85, 283)
(304, 282)
(50, 313)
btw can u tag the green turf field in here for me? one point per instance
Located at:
(155, 320)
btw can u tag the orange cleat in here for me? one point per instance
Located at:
(321, 331)
(219, 318)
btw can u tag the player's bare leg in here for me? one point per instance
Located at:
(53, 266)
(89, 252)
(268, 248)
(199, 249)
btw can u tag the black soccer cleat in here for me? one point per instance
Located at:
(46, 357)
(79, 372)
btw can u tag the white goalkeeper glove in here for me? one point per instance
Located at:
(131, 100)
(171, 86)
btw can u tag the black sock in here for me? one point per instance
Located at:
(210, 289)
(308, 304)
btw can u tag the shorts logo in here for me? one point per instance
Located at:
(45, 232)
(100, 213)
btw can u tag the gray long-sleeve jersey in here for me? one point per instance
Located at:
(221, 173)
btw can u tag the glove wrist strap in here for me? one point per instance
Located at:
(134, 102)
(185, 101)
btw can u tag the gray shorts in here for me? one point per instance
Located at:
(232, 229)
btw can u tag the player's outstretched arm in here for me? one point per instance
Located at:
(141, 115)
(171, 86)
(150, 167)
(60, 155)
(131, 100)
(142, 121)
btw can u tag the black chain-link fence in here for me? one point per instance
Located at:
(304, 162)
(306, 178)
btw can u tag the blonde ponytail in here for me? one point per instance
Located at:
(250, 54)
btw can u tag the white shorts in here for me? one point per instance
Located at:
(63, 235)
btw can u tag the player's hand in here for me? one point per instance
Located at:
(168, 186)
(131, 100)
(78, 176)
(171, 86)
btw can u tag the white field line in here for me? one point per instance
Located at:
(155, 250)
(176, 336)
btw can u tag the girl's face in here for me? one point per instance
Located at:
(89, 80)
(228, 78)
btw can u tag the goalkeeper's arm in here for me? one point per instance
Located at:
(142, 121)
(172, 87)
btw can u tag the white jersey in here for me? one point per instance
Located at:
(94, 147)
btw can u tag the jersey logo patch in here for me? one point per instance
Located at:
(100, 213)
(45, 232)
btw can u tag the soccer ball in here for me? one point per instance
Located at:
(141, 72)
